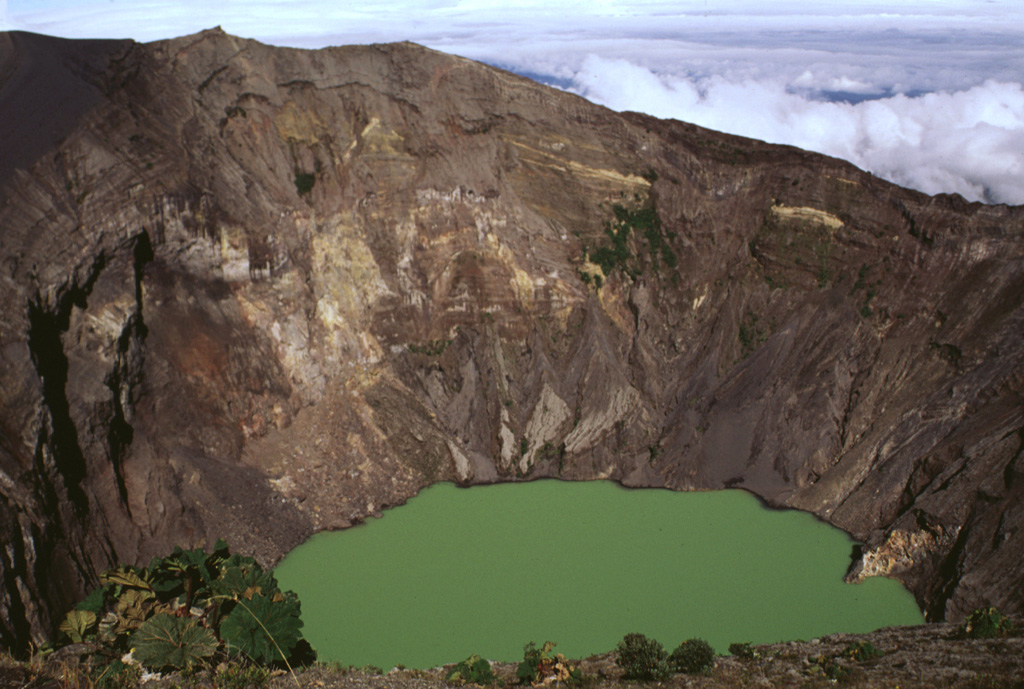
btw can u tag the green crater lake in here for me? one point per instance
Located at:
(486, 569)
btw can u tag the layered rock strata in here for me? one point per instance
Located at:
(254, 292)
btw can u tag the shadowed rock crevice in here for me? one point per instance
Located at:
(126, 377)
(15, 632)
(59, 444)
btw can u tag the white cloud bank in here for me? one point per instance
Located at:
(969, 142)
(926, 93)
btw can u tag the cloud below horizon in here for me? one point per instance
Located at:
(969, 142)
(926, 94)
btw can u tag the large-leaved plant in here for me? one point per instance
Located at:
(190, 608)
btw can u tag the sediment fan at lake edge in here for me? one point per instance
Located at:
(257, 292)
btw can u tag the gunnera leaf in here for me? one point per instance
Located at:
(77, 624)
(236, 561)
(221, 551)
(236, 579)
(182, 572)
(95, 601)
(126, 576)
(166, 641)
(260, 626)
(132, 609)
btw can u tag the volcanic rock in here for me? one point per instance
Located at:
(255, 292)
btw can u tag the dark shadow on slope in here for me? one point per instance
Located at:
(46, 85)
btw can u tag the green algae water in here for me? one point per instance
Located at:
(486, 569)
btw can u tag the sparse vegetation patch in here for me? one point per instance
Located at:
(862, 650)
(189, 610)
(616, 255)
(542, 666)
(472, 670)
(986, 623)
(430, 348)
(752, 334)
(693, 656)
(304, 182)
(643, 658)
(743, 650)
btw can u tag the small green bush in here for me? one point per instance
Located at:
(693, 656)
(472, 670)
(304, 182)
(541, 666)
(862, 650)
(642, 658)
(831, 669)
(533, 658)
(742, 650)
(986, 623)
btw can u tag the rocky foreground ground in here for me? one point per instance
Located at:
(928, 656)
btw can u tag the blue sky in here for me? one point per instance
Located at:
(927, 93)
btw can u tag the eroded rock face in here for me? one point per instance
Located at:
(256, 292)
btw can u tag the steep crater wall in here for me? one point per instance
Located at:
(255, 292)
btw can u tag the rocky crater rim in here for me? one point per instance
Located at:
(255, 292)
